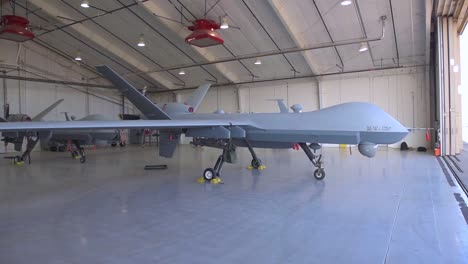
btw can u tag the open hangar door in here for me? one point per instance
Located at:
(450, 19)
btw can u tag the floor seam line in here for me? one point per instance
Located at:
(394, 224)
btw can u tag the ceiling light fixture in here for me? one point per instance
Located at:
(85, 4)
(182, 72)
(224, 24)
(346, 2)
(258, 62)
(363, 47)
(141, 42)
(78, 56)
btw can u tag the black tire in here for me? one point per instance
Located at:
(209, 174)
(319, 174)
(61, 148)
(53, 148)
(122, 144)
(113, 144)
(256, 163)
(83, 159)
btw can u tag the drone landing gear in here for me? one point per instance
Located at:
(212, 174)
(256, 162)
(79, 153)
(316, 160)
(31, 143)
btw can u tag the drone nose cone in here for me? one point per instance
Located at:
(381, 127)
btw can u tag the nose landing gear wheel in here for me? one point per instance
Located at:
(319, 174)
(209, 174)
(256, 163)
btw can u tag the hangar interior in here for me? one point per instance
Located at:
(399, 207)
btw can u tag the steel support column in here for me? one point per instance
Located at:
(447, 81)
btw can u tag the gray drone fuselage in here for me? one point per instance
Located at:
(85, 137)
(349, 123)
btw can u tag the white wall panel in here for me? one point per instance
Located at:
(13, 95)
(37, 97)
(219, 99)
(384, 95)
(331, 92)
(216, 99)
(74, 103)
(256, 98)
(305, 94)
(105, 107)
(355, 90)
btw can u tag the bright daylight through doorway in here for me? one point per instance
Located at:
(464, 83)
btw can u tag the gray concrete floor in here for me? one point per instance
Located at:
(462, 162)
(394, 208)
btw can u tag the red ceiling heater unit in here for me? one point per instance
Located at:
(204, 33)
(15, 28)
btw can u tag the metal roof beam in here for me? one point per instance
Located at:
(99, 43)
(277, 52)
(298, 77)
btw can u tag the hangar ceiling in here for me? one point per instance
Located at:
(108, 33)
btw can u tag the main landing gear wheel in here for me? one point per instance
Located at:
(256, 163)
(316, 160)
(18, 160)
(61, 148)
(319, 174)
(209, 174)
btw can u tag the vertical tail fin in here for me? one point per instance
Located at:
(146, 107)
(42, 114)
(198, 95)
(282, 107)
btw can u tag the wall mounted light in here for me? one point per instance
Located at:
(141, 41)
(85, 4)
(78, 56)
(363, 47)
(224, 24)
(346, 2)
